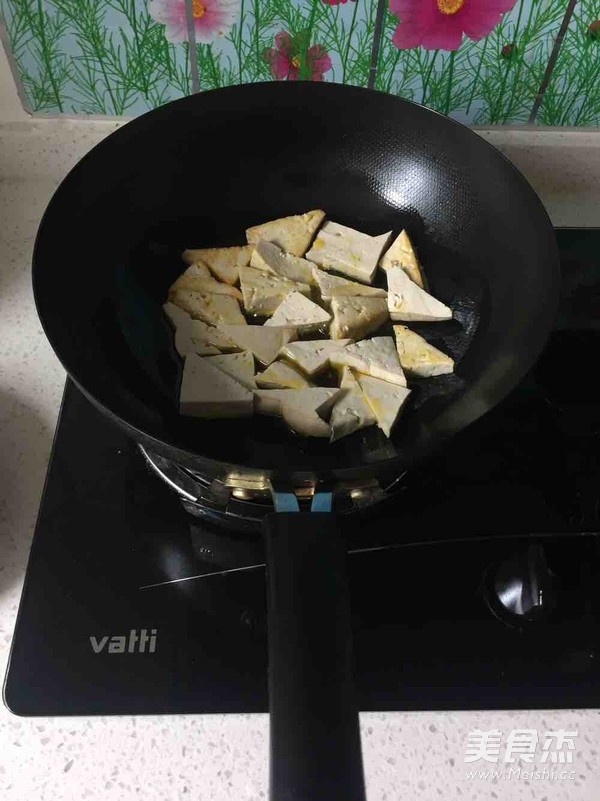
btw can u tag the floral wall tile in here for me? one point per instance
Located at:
(573, 93)
(291, 40)
(482, 63)
(84, 56)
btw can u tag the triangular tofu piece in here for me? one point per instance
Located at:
(386, 400)
(213, 309)
(280, 375)
(377, 357)
(208, 392)
(347, 251)
(351, 411)
(237, 365)
(195, 279)
(291, 234)
(194, 272)
(181, 323)
(407, 301)
(300, 312)
(224, 263)
(207, 336)
(263, 341)
(418, 357)
(312, 356)
(176, 315)
(402, 254)
(302, 409)
(270, 259)
(355, 317)
(183, 333)
(264, 292)
(332, 286)
(268, 401)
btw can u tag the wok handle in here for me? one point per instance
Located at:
(314, 728)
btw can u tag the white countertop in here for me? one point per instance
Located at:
(412, 756)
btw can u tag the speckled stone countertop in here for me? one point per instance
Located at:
(412, 756)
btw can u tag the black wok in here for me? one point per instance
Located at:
(196, 173)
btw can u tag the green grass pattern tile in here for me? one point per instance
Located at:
(491, 81)
(573, 93)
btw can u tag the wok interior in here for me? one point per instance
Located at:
(198, 172)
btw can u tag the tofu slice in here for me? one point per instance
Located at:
(331, 286)
(377, 357)
(351, 411)
(312, 356)
(194, 272)
(407, 301)
(264, 292)
(181, 323)
(195, 279)
(355, 317)
(347, 251)
(418, 357)
(207, 336)
(302, 409)
(402, 254)
(264, 342)
(300, 312)
(386, 400)
(224, 263)
(175, 314)
(291, 234)
(268, 401)
(213, 309)
(270, 259)
(237, 365)
(207, 391)
(280, 375)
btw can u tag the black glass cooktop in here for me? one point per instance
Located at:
(497, 606)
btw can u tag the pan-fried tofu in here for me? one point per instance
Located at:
(355, 317)
(207, 336)
(175, 314)
(280, 375)
(331, 286)
(224, 263)
(181, 323)
(312, 356)
(347, 251)
(264, 292)
(194, 272)
(270, 259)
(207, 391)
(386, 400)
(300, 312)
(291, 234)
(351, 411)
(237, 365)
(401, 253)
(264, 342)
(407, 301)
(377, 357)
(195, 278)
(213, 309)
(302, 409)
(418, 357)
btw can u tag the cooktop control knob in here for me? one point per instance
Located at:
(524, 586)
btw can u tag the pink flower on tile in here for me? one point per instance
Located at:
(285, 58)
(440, 24)
(212, 18)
